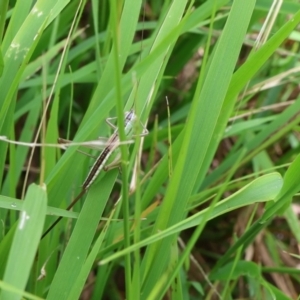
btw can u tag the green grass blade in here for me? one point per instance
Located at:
(291, 185)
(27, 238)
(261, 189)
(196, 142)
(81, 239)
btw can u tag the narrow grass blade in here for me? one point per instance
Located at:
(27, 238)
(199, 131)
(291, 185)
(262, 189)
(81, 239)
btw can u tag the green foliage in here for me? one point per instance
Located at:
(202, 197)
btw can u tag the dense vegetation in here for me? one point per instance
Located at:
(204, 206)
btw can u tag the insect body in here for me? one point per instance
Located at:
(112, 144)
